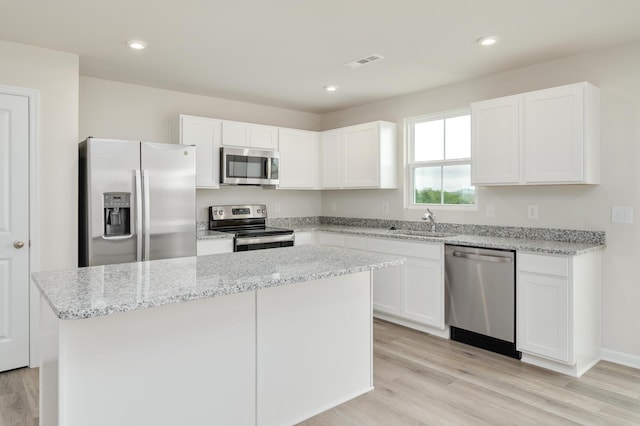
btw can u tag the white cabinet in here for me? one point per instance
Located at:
(299, 159)
(495, 147)
(362, 156)
(549, 136)
(331, 160)
(204, 133)
(558, 310)
(215, 246)
(248, 135)
(412, 294)
(306, 238)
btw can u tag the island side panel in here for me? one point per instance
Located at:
(185, 363)
(314, 347)
(49, 365)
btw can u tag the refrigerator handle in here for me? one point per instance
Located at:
(138, 216)
(147, 215)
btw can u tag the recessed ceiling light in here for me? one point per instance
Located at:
(331, 88)
(137, 44)
(488, 40)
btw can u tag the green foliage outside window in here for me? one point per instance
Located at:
(434, 196)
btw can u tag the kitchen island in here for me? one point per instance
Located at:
(267, 337)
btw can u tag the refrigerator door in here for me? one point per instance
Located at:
(108, 170)
(169, 182)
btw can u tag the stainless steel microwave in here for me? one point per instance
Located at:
(245, 166)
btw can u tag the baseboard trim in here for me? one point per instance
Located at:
(621, 358)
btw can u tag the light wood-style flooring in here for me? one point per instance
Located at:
(425, 380)
(19, 397)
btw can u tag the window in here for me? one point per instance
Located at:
(440, 159)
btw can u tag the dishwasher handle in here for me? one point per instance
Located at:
(482, 257)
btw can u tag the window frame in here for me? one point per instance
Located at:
(410, 166)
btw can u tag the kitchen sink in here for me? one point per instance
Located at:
(431, 234)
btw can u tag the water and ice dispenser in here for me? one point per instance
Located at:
(117, 214)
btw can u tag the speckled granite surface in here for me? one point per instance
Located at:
(104, 290)
(541, 240)
(522, 244)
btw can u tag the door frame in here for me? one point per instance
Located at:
(33, 96)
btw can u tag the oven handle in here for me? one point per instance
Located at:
(244, 241)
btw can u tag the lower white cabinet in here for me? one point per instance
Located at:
(413, 294)
(558, 310)
(216, 246)
(306, 238)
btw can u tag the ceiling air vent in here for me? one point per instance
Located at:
(364, 60)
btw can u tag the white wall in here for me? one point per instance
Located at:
(616, 72)
(119, 110)
(55, 75)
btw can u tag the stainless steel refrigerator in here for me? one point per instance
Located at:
(137, 201)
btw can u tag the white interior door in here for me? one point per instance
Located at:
(14, 231)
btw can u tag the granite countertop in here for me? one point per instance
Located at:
(506, 243)
(104, 290)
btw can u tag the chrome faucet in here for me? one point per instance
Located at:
(431, 218)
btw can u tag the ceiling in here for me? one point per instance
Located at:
(282, 52)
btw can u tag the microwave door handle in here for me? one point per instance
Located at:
(268, 168)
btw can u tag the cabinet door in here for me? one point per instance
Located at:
(235, 133)
(331, 159)
(423, 292)
(387, 288)
(304, 238)
(330, 239)
(553, 135)
(495, 151)
(206, 247)
(543, 316)
(204, 133)
(361, 162)
(299, 159)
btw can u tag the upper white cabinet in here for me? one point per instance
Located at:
(361, 156)
(205, 134)
(331, 161)
(495, 147)
(548, 136)
(299, 159)
(249, 135)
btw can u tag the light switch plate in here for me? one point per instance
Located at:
(385, 207)
(532, 212)
(622, 214)
(333, 207)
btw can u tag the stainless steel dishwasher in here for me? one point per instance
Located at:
(480, 297)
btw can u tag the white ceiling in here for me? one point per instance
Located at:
(282, 52)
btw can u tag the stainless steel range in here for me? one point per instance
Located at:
(248, 224)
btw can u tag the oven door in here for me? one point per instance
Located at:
(239, 166)
(260, 243)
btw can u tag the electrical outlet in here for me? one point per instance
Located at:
(277, 207)
(532, 212)
(490, 210)
(621, 214)
(385, 207)
(333, 207)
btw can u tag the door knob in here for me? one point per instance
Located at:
(18, 244)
